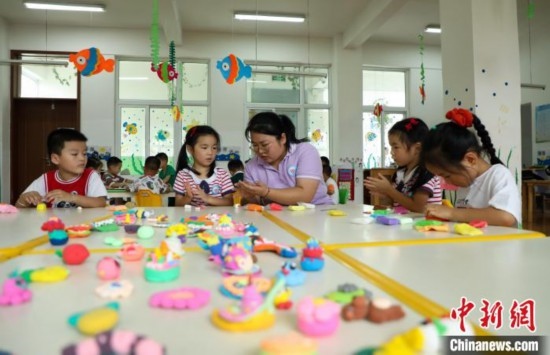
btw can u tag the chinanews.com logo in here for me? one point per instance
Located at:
(518, 315)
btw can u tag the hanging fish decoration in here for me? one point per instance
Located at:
(233, 69)
(90, 61)
(165, 71)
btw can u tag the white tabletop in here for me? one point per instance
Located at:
(44, 319)
(498, 271)
(342, 229)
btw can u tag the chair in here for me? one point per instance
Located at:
(376, 199)
(147, 198)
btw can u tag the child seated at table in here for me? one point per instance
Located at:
(96, 164)
(236, 169)
(71, 184)
(167, 172)
(332, 187)
(150, 179)
(111, 177)
(452, 151)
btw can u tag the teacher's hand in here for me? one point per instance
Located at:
(255, 189)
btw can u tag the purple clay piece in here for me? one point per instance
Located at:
(182, 239)
(387, 220)
(131, 228)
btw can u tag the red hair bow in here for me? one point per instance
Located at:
(412, 122)
(461, 117)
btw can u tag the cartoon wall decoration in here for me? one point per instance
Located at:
(233, 69)
(90, 61)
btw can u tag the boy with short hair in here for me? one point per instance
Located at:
(332, 186)
(236, 169)
(167, 172)
(110, 178)
(71, 184)
(150, 180)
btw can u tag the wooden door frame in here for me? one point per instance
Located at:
(15, 75)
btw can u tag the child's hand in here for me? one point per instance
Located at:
(378, 184)
(31, 198)
(440, 211)
(201, 194)
(58, 195)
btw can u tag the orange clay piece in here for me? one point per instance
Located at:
(254, 207)
(440, 228)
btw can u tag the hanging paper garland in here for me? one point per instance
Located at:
(155, 36)
(530, 9)
(422, 87)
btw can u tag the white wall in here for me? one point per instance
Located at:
(4, 115)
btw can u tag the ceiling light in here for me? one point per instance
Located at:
(64, 7)
(252, 16)
(433, 29)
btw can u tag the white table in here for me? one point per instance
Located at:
(44, 319)
(341, 230)
(499, 271)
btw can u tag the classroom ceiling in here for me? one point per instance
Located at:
(400, 21)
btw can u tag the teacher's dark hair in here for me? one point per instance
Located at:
(273, 124)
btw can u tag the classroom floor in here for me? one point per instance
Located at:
(541, 222)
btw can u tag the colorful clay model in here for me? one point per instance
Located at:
(131, 251)
(105, 225)
(143, 214)
(357, 309)
(56, 231)
(318, 316)
(125, 218)
(388, 221)
(238, 261)
(97, 320)
(113, 241)
(283, 300)
(289, 344)
(145, 232)
(429, 225)
(54, 273)
(163, 264)
(108, 268)
(466, 229)
(381, 310)
(181, 298)
(254, 207)
(233, 285)
(6, 208)
(427, 338)
(292, 275)
(312, 256)
(132, 228)
(74, 254)
(14, 291)
(41, 207)
(345, 293)
(261, 244)
(478, 223)
(116, 342)
(178, 230)
(275, 207)
(115, 289)
(79, 231)
(253, 313)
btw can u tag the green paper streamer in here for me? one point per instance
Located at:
(155, 36)
(422, 74)
(530, 10)
(172, 54)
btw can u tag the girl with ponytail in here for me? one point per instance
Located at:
(285, 169)
(452, 151)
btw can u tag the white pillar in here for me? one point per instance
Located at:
(481, 69)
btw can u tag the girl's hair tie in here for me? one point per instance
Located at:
(461, 117)
(412, 123)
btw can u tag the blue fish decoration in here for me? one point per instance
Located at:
(233, 69)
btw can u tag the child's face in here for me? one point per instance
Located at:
(400, 153)
(115, 169)
(460, 177)
(204, 151)
(163, 164)
(72, 160)
(150, 172)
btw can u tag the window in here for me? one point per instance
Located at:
(147, 124)
(47, 81)
(305, 99)
(387, 89)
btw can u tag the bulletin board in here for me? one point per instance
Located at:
(542, 123)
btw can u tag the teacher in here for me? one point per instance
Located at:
(285, 169)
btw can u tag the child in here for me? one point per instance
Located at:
(453, 152)
(199, 182)
(71, 184)
(150, 180)
(332, 187)
(412, 186)
(236, 169)
(95, 164)
(167, 172)
(110, 178)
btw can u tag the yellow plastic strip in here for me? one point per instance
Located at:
(412, 299)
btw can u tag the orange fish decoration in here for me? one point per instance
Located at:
(90, 61)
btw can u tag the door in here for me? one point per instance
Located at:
(32, 120)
